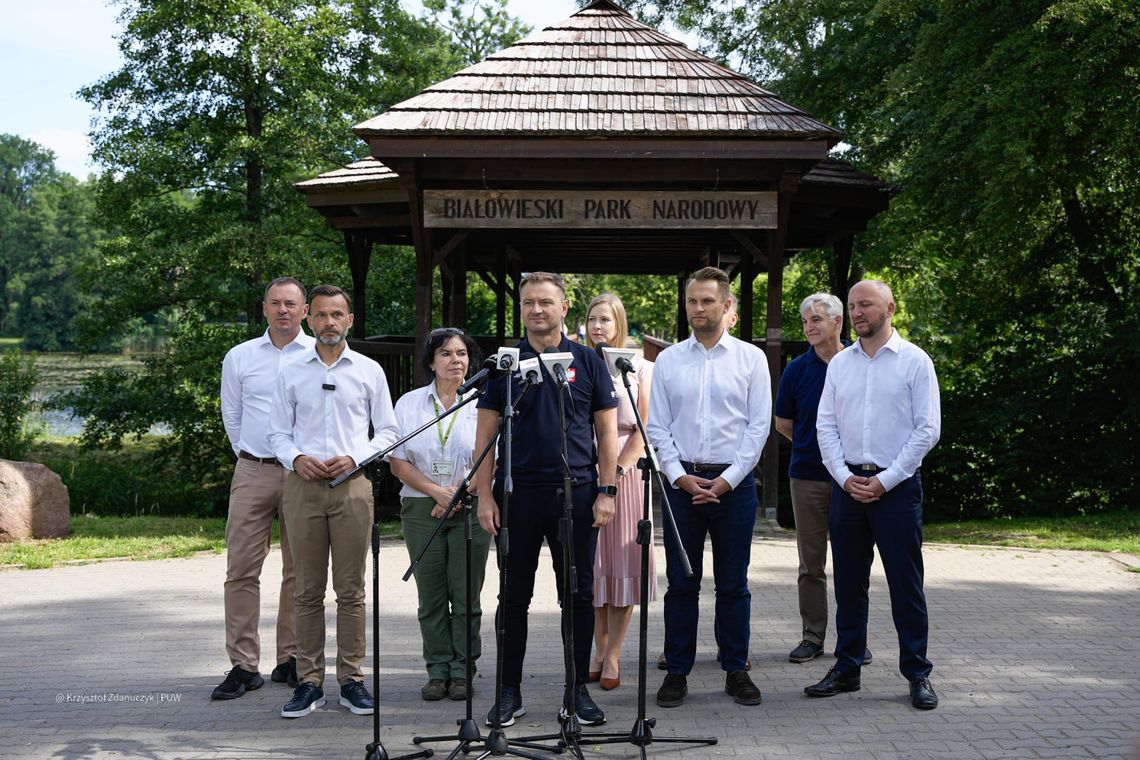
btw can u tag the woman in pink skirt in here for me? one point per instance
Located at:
(617, 564)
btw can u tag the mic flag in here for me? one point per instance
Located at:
(556, 363)
(529, 370)
(618, 360)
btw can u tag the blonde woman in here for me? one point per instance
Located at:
(617, 564)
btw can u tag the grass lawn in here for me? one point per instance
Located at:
(1115, 531)
(134, 537)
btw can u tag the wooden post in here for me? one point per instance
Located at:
(459, 287)
(744, 308)
(422, 239)
(359, 253)
(774, 340)
(682, 315)
(501, 293)
(840, 277)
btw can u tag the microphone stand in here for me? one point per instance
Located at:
(469, 737)
(570, 728)
(375, 749)
(641, 734)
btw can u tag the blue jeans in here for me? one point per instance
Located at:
(893, 524)
(729, 524)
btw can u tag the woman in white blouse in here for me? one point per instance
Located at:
(430, 466)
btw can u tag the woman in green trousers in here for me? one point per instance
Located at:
(431, 465)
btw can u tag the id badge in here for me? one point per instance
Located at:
(442, 468)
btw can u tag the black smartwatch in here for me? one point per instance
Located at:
(608, 490)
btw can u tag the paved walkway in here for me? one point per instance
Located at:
(1037, 654)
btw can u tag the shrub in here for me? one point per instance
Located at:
(18, 376)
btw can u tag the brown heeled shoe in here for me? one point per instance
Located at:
(594, 676)
(609, 684)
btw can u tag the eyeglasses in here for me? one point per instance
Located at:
(446, 331)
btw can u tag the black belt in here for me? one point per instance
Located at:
(251, 458)
(709, 467)
(865, 467)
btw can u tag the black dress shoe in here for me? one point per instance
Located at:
(805, 651)
(286, 673)
(740, 687)
(868, 658)
(834, 683)
(673, 690)
(238, 681)
(922, 694)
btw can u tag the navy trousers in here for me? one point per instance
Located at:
(893, 524)
(729, 524)
(533, 516)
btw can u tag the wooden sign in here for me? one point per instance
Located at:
(569, 209)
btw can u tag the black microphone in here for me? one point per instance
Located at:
(480, 377)
(559, 370)
(619, 362)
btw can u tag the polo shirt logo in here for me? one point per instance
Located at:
(571, 374)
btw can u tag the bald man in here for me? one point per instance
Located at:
(878, 416)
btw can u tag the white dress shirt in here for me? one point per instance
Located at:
(249, 379)
(425, 450)
(711, 406)
(883, 411)
(308, 419)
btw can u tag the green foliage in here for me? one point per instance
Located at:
(478, 28)
(46, 233)
(1015, 243)
(219, 108)
(18, 377)
(177, 391)
(136, 478)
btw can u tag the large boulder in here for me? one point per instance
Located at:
(33, 502)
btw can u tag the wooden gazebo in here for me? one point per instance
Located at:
(596, 145)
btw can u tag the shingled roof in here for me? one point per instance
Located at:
(598, 73)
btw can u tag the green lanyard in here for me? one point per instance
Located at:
(439, 424)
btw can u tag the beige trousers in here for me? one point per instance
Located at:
(255, 499)
(810, 502)
(323, 521)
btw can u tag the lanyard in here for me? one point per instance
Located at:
(439, 424)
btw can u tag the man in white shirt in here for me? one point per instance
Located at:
(709, 416)
(318, 428)
(878, 416)
(249, 378)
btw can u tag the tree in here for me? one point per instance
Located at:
(1010, 128)
(478, 28)
(220, 106)
(47, 231)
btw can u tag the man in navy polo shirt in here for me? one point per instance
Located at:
(796, 401)
(537, 470)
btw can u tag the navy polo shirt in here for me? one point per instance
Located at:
(536, 445)
(801, 385)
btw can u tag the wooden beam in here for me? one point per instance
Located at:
(397, 152)
(423, 286)
(359, 253)
(371, 222)
(773, 338)
(682, 314)
(442, 252)
(840, 277)
(751, 248)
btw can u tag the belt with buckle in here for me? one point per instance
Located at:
(709, 467)
(866, 467)
(262, 460)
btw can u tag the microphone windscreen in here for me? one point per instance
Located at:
(601, 348)
(550, 350)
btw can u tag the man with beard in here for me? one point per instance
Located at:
(709, 416)
(249, 377)
(318, 429)
(878, 416)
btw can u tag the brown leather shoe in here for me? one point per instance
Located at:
(609, 684)
(593, 676)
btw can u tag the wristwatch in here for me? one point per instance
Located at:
(610, 491)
